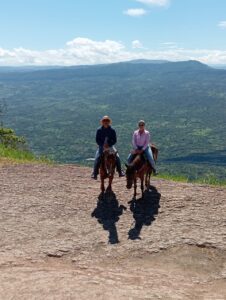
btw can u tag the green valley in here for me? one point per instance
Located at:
(183, 103)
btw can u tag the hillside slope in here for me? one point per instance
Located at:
(183, 103)
(61, 240)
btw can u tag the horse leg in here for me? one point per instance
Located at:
(110, 182)
(102, 184)
(146, 180)
(135, 188)
(142, 186)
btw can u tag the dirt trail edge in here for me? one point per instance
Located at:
(60, 239)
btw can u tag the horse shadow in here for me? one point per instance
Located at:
(144, 211)
(107, 213)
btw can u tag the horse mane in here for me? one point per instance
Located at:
(137, 163)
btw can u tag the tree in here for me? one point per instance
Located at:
(7, 135)
(9, 139)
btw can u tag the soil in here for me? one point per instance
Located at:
(61, 239)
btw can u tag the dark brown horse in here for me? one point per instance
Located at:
(140, 168)
(107, 167)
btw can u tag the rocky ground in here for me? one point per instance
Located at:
(60, 239)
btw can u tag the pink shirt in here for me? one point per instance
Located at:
(141, 140)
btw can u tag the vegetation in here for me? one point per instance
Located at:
(209, 180)
(19, 155)
(15, 155)
(14, 149)
(9, 139)
(184, 104)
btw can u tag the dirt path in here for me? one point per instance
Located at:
(58, 240)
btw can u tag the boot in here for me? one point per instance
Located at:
(119, 168)
(94, 176)
(155, 172)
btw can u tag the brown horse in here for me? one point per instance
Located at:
(107, 167)
(140, 168)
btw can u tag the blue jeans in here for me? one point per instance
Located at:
(97, 161)
(148, 153)
(100, 151)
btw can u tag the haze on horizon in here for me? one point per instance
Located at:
(85, 32)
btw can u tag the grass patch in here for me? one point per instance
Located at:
(209, 180)
(178, 178)
(19, 156)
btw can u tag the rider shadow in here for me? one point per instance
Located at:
(144, 211)
(107, 213)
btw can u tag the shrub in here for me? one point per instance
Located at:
(9, 139)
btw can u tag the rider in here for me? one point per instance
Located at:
(141, 144)
(105, 137)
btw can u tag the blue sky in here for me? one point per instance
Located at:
(36, 32)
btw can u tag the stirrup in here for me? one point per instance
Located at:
(121, 174)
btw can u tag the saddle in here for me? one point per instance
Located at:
(144, 159)
(110, 151)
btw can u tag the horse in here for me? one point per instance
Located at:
(140, 168)
(107, 167)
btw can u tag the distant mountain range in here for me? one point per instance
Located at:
(7, 69)
(147, 61)
(219, 66)
(184, 104)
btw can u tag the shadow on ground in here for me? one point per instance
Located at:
(107, 212)
(144, 211)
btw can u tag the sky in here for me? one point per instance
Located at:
(78, 32)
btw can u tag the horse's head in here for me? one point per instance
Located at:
(130, 174)
(110, 161)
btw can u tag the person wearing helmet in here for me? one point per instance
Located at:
(105, 137)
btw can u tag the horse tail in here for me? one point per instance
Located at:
(155, 151)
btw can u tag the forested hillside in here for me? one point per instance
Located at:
(183, 103)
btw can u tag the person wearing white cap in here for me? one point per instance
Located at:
(105, 137)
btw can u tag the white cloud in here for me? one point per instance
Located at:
(222, 24)
(155, 2)
(170, 45)
(83, 51)
(96, 46)
(137, 44)
(76, 52)
(135, 12)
